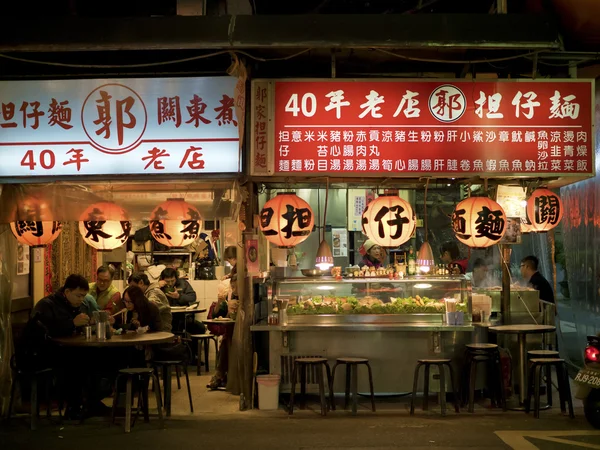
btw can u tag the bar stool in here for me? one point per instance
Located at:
(166, 375)
(302, 365)
(204, 341)
(352, 379)
(548, 369)
(142, 377)
(33, 377)
(490, 355)
(440, 363)
(535, 375)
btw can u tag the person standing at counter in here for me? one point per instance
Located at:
(450, 255)
(107, 296)
(529, 272)
(374, 255)
(178, 291)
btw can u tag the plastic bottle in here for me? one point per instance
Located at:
(412, 262)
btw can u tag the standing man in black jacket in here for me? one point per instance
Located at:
(529, 272)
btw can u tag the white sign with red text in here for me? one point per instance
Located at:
(118, 127)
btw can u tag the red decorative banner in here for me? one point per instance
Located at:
(455, 128)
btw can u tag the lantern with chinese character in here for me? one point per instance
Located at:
(389, 221)
(544, 209)
(525, 225)
(175, 223)
(479, 222)
(104, 226)
(286, 220)
(38, 227)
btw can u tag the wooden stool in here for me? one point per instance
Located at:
(303, 364)
(142, 376)
(352, 379)
(33, 377)
(440, 363)
(166, 370)
(531, 354)
(204, 341)
(535, 375)
(490, 355)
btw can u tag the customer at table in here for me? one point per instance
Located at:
(529, 272)
(481, 277)
(104, 292)
(140, 311)
(154, 294)
(450, 255)
(178, 291)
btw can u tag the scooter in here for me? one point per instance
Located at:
(588, 380)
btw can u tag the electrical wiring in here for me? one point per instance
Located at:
(152, 64)
(450, 61)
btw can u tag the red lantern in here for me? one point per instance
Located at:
(104, 226)
(479, 222)
(175, 223)
(389, 221)
(525, 225)
(286, 220)
(39, 227)
(544, 209)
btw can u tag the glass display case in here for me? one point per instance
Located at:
(368, 296)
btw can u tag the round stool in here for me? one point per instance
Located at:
(204, 341)
(535, 375)
(490, 355)
(302, 365)
(440, 363)
(547, 371)
(142, 376)
(352, 379)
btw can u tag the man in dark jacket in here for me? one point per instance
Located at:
(178, 291)
(529, 271)
(60, 312)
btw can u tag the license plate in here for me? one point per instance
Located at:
(589, 378)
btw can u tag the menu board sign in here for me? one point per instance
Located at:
(453, 128)
(118, 127)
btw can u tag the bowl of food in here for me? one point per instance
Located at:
(312, 273)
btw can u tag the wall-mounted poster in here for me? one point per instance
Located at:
(22, 259)
(340, 242)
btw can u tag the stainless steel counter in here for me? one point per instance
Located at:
(417, 327)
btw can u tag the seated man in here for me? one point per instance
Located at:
(178, 291)
(104, 292)
(153, 293)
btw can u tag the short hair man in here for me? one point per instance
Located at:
(153, 293)
(178, 291)
(60, 312)
(529, 272)
(104, 292)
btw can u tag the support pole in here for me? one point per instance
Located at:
(505, 251)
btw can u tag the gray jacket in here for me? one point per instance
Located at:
(156, 295)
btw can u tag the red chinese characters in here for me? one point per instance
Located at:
(154, 158)
(259, 132)
(492, 128)
(76, 155)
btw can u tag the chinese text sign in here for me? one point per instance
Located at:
(447, 128)
(118, 127)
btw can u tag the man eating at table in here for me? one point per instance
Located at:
(104, 292)
(154, 294)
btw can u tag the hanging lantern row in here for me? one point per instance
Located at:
(389, 221)
(286, 220)
(479, 222)
(105, 225)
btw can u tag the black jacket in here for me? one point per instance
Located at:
(151, 319)
(537, 281)
(56, 314)
(187, 295)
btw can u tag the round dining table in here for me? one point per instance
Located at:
(522, 330)
(117, 340)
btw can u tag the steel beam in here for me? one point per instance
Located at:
(416, 31)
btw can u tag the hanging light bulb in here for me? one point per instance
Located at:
(324, 260)
(425, 259)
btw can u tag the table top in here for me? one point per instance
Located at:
(219, 322)
(523, 329)
(123, 340)
(189, 311)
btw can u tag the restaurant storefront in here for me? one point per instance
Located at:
(435, 146)
(136, 173)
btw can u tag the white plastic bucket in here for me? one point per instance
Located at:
(268, 391)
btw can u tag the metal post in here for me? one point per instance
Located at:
(505, 251)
